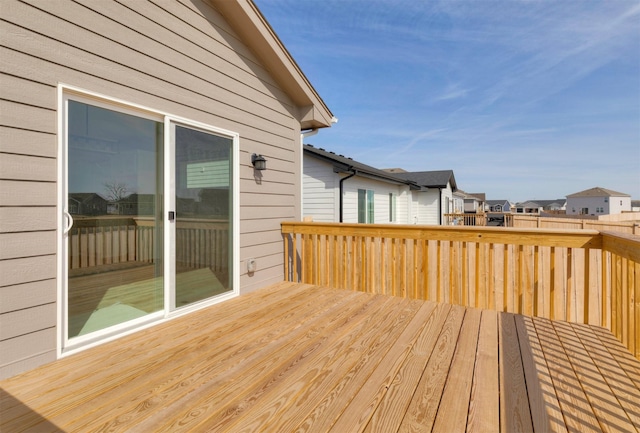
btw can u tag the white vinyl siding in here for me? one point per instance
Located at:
(320, 191)
(381, 191)
(426, 211)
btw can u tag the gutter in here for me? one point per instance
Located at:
(307, 133)
(353, 173)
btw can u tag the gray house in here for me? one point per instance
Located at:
(499, 205)
(537, 206)
(169, 101)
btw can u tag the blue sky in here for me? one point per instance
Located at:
(522, 99)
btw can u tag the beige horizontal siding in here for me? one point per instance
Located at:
(76, 46)
(24, 167)
(27, 219)
(23, 322)
(28, 117)
(22, 193)
(253, 212)
(16, 245)
(25, 270)
(201, 17)
(20, 141)
(27, 92)
(262, 200)
(199, 51)
(27, 295)
(27, 351)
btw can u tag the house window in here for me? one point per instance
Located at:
(365, 206)
(584, 211)
(392, 207)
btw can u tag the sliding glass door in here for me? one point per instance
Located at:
(114, 218)
(203, 203)
(148, 206)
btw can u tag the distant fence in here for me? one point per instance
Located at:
(507, 219)
(503, 219)
(527, 221)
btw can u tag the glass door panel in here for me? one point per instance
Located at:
(203, 194)
(114, 195)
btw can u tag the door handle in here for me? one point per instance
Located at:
(69, 222)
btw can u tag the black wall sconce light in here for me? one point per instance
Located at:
(258, 161)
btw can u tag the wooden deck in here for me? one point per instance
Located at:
(305, 358)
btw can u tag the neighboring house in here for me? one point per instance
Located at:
(338, 189)
(87, 204)
(135, 204)
(598, 201)
(434, 199)
(481, 199)
(498, 205)
(473, 202)
(169, 100)
(458, 201)
(537, 206)
(635, 205)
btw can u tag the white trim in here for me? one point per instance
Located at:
(169, 227)
(61, 206)
(65, 347)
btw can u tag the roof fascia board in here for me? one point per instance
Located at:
(249, 23)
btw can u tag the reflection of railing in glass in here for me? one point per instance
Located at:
(111, 241)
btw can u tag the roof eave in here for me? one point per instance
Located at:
(249, 23)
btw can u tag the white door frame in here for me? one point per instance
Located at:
(63, 345)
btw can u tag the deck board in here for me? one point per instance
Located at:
(514, 402)
(577, 412)
(484, 404)
(546, 413)
(295, 357)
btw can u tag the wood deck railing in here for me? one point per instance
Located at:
(581, 276)
(478, 219)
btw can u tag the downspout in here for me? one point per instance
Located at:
(353, 173)
(440, 207)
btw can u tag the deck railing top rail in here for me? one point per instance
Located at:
(588, 239)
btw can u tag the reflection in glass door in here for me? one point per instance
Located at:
(114, 242)
(203, 197)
